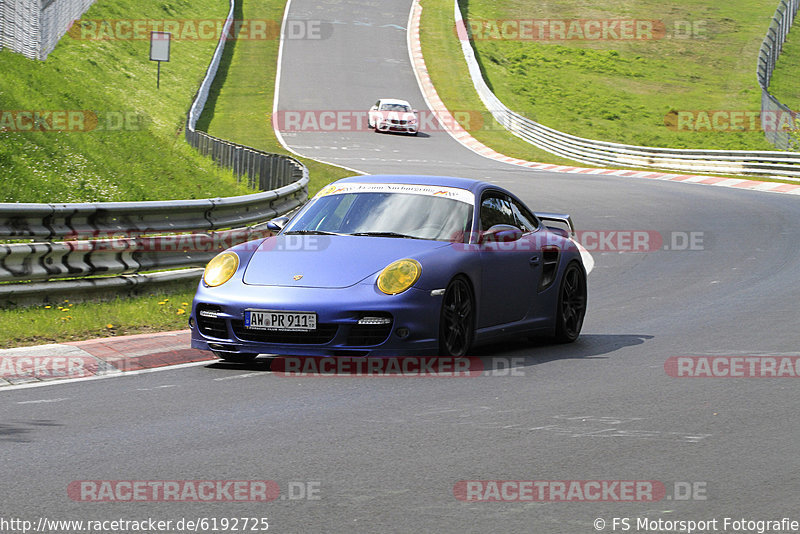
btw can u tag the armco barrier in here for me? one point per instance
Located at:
(115, 242)
(78, 220)
(736, 162)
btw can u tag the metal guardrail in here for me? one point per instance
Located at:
(115, 242)
(771, 49)
(125, 255)
(74, 221)
(736, 162)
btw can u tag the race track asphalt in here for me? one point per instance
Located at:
(386, 453)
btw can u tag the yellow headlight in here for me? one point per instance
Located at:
(220, 269)
(399, 276)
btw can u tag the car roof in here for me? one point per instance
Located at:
(394, 101)
(420, 179)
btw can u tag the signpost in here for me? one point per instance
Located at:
(159, 51)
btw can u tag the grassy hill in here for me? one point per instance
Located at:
(784, 79)
(131, 144)
(239, 106)
(701, 57)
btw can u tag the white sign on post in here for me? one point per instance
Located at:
(159, 46)
(159, 50)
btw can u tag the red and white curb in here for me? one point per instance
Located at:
(452, 126)
(95, 358)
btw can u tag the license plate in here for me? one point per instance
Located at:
(286, 321)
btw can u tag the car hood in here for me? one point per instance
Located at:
(327, 261)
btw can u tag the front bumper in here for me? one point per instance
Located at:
(395, 127)
(218, 321)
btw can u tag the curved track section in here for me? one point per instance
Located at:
(387, 453)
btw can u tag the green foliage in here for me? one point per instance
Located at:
(129, 142)
(784, 84)
(149, 161)
(240, 102)
(69, 321)
(626, 91)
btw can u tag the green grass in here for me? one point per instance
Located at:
(448, 70)
(240, 103)
(238, 109)
(77, 321)
(620, 91)
(143, 158)
(784, 84)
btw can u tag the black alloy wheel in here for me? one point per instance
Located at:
(457, 320)
(571, 304)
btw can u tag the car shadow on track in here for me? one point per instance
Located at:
(531, 352)
(536, 351)
(22, 431)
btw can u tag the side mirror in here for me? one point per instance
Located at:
(277, 224)
(501, 233)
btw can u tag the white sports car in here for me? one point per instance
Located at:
(392, 115)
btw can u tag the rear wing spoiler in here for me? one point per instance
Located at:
(562, 218)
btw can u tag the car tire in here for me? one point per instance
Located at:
(236, 357)
(571, 307)
(457, 319)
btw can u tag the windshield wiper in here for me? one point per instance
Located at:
(310, 232)
(387, 234)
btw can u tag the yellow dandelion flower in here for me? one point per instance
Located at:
(180, 311)
(109, 325)
(47, 307)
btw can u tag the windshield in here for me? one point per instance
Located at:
(395, 107)
(387, 215)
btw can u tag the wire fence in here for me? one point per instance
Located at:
(264, 170)
(771, 48)
(34, 27)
